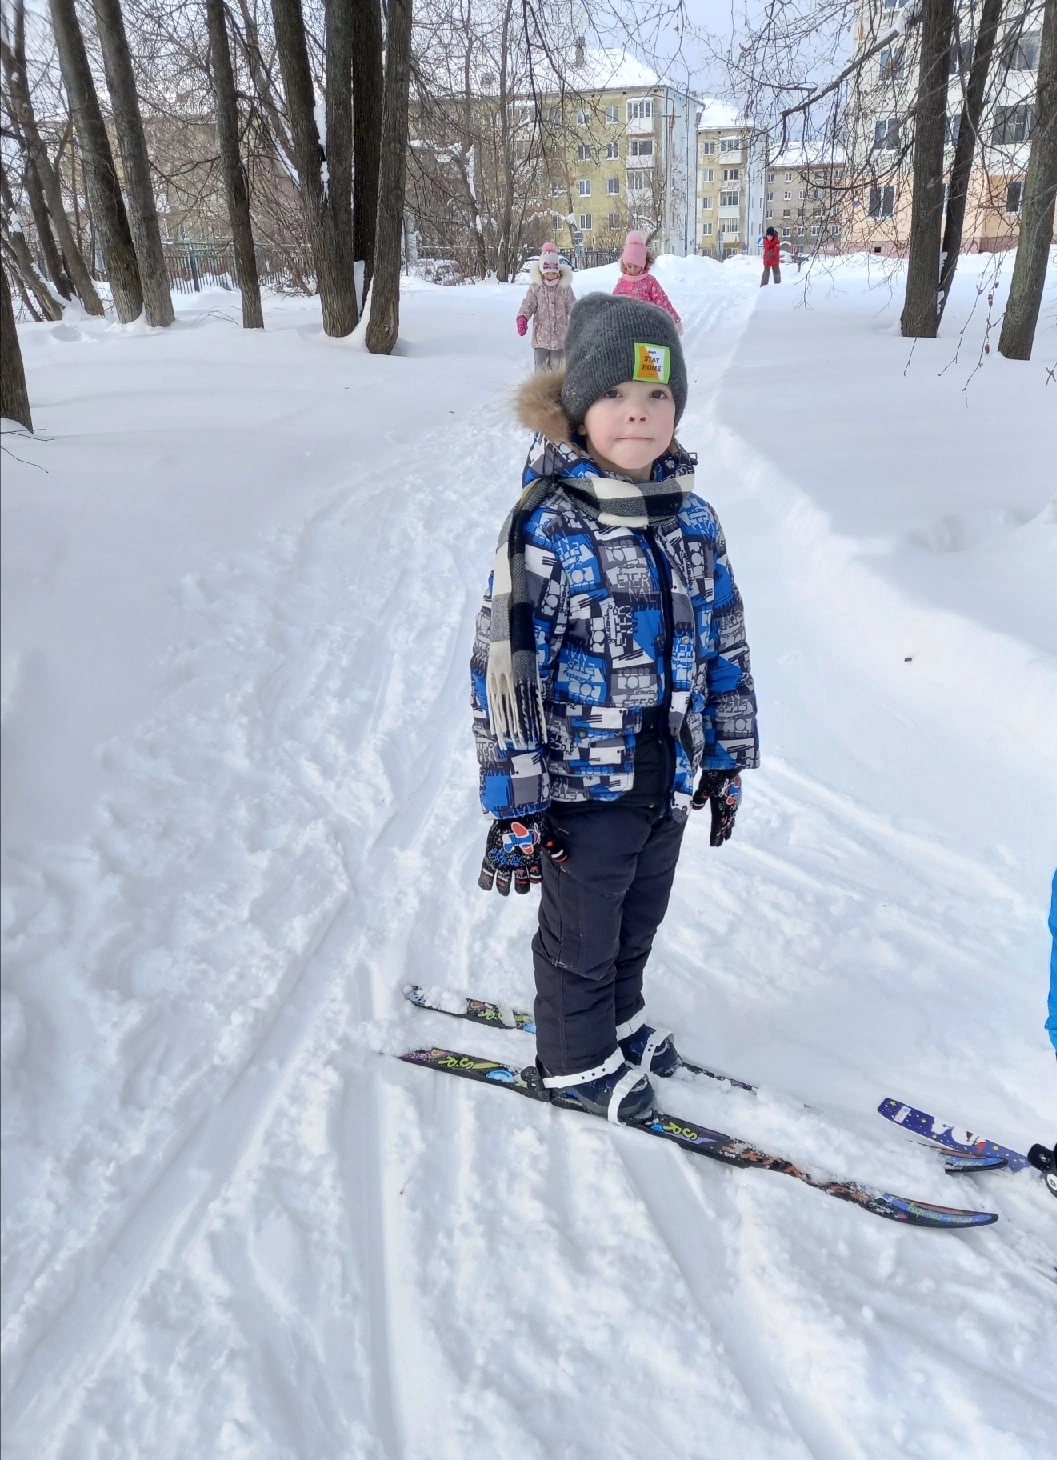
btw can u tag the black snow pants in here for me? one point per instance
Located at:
(599, 912)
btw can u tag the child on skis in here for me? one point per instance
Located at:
(636, 281)
(611, 692)
(549, 300)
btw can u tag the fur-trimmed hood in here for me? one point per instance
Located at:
(539, 408)
(565, 276)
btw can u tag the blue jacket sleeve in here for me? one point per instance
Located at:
(517, 782)
(731, 738)
(1051, 1021)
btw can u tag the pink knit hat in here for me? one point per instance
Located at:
(549, 258)
(634, 249)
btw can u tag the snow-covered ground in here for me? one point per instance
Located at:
(240, 573)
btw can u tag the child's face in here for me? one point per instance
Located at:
(630, 426)
(550, 272)
(633, 269)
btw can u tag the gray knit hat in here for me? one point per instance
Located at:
(612, 338)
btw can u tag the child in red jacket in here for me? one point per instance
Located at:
(772, 255)
(637, 282)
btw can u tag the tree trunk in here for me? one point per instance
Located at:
(108, 209)
(14, 65)
(383, 327)
(1037, 203)
(238, 198)
(339, 25)
(46, 238)
(142, 209)
(44, 304)
(367, 89)
(330, 241)
(920, 318)
(964, 148)
(14, 398)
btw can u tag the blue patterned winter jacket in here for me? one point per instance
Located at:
(626, 620)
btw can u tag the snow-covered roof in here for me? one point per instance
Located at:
(810, 154)
(610, 70)
(715, 113)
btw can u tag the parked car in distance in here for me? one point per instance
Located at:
(438, 271)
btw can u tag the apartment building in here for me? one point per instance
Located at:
(731, 157)
(804, 200)
(879, 203)
(624, 156)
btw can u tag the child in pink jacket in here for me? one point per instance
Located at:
(636, 279)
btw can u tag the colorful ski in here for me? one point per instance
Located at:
(478, 1011)
(947, 1136)
(699, 1140)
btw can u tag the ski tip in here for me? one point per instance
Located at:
(925, 1214)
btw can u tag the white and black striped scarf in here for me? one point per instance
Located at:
(515, 697)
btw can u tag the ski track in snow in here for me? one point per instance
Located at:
(244, 1231)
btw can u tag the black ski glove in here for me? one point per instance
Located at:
(721, 791)
(513, 849)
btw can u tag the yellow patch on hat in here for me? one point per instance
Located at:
(653, 363)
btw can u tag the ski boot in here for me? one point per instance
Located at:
(614, 1090)
(1045, 1160)
(653, 1049)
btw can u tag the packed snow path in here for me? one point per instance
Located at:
(244, 815)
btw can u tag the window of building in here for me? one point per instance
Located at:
(614, 220)
(583, 116)
(961, 58)
(770, 197)
(891, 64)
(640, 110)
(1014, 191)
(554, 116)
(730, 199)
(1013, 124)
(1024, 52)
(612, 151)
(708, 175)
(706, 204)
(954, 123)
(800, 213)
(882, 202)
(612, 186)
(787, 232)
(814, 230)
(789, 177)
(787, 213)
(585, 223)
(730, 225)
(583, 187)
(612, 116)
(770, 215)
(639, 180)
(886, 134)
(642, 147)
(787, 195)
(708, 149)
(583, 152)
(706, 230)
(731, 174)
(730, 144)
(770, 177)
(557, 190)
(802, 194)
(834, 229)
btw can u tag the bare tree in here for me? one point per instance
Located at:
(969, 132)
(104, 191)
(223, 78)
(142, 210)
(920, 317)
(383, 327)
(39, 299)
(1040, 193)
(367, 94)
(14, 397)
(322, 172)
(13, 58)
